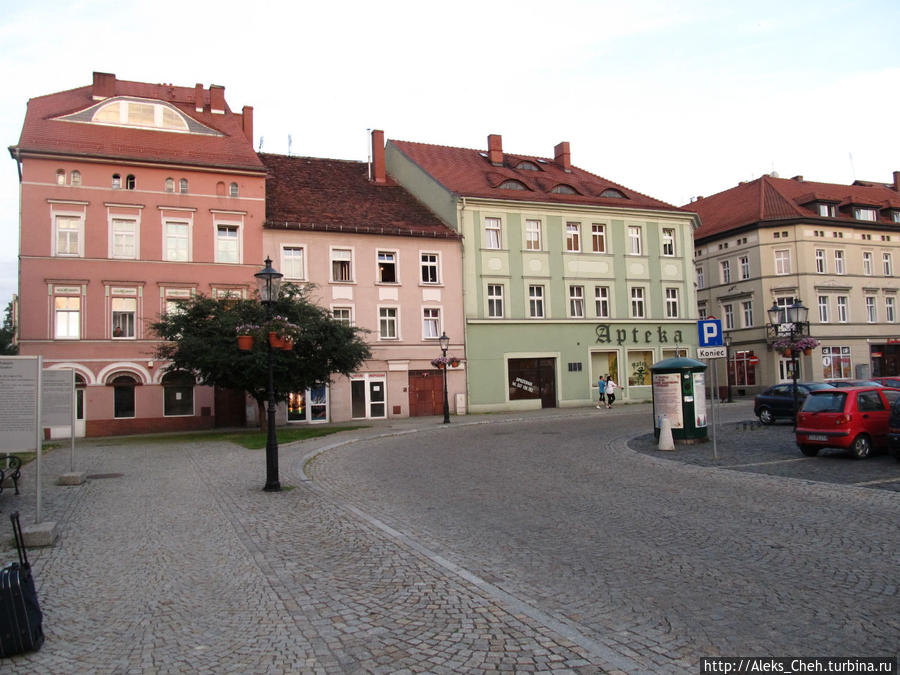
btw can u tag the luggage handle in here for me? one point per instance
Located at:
(20, 541)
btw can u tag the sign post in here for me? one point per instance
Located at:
(711, 346)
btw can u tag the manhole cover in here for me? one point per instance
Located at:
(95, 476)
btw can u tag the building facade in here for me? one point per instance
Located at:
(566, 276)
(133, 196)
(834, 247)
(379, 260)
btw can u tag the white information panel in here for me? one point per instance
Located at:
(700, 400)
(667, 399)
(19, 382)
(58, 392)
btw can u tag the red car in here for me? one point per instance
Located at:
(853, 418)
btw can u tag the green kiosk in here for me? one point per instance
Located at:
(679, 394)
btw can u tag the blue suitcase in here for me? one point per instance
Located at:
(21, 621)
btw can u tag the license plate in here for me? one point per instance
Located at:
(817, 437)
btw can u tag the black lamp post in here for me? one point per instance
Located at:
(269, 282)
(445, 343)
(728, 365)
(790, 322)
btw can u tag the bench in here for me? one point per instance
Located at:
(11, 468)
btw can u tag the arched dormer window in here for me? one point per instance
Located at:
(612, 193)
(60, 177)
(116, 181)
(75, 177)
(233, 190)
(512, 185)
(563, 189)
(130, 182)
(132, 113)
(170, 185)
(183, 186)
(525, 165)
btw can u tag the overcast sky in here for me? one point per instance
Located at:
(671, 98)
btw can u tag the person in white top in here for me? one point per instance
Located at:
(610, 391)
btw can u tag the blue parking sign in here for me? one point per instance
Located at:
(709, 332)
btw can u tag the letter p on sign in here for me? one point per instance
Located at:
(710, 332)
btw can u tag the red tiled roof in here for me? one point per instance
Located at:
(778, 199)
(44, 132)
(469, 173)
(337, 195)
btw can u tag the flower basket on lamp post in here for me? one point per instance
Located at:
(245, 342)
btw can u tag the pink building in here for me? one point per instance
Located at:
(380, 260)
(133, 195)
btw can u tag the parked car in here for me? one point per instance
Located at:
(854, 383)
(894, 429)
(888, 381)
(778, 400)
(853, 418)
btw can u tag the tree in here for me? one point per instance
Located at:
(8, 346)
(201, 338)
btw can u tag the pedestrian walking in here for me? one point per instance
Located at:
(601, 387)
(610, 391)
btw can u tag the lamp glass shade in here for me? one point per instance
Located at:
(268, 280)
(774, 313)
(799, 312)
(444, 341)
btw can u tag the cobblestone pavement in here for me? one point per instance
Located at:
(495, 544)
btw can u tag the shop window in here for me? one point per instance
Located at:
(123, 396)
(178, 394)
(638, 363)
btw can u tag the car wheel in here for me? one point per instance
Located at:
(809, 450)
(861, 447)
(766, 416)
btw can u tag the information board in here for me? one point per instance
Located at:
(19, 381)
(667, 399)
(700, 400)
(57, 394)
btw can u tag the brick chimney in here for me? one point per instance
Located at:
(897, 181)
(378, 173)
(561, 156)
(198, 97)
(495, 149)
(217, 99)
(104, 86)
(247, 122)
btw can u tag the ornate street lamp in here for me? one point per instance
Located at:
(729, 366)
(790, 321)
(445, 343)
(269, 281)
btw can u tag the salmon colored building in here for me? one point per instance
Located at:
(133, 195)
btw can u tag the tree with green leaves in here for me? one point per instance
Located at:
(8, 345)
(201, 338)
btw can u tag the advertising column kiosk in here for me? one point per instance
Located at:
(679, 394)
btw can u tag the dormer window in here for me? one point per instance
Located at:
(527, 166)
(563, 189)
(863, 213)
(612, 193)
(140, 114)
(512, 185)
(895, 216)
(827, 210)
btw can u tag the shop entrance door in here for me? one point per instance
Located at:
(533, 378)
(426, 393)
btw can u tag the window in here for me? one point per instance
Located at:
(726, 271)
(782, 261)
(173, 299)
(536, 302)
(871, 311)
(671, 303)
(783, 303)
(233, 190)
(820, 261)
(747, 311)
(387, 323)
(495, 301)
(60, 177)
(888, 264)
(668, 241)
(836, 362)
(116, 181)
(183, 186)
(895, 216)
(634, 240)
(130, 182)
(525, 165)
(512, 185)
(532, 235)
(140, 114)
(341, 264)
(700, 282)
(637, 303)
(889, 315)
(598, 238)
(612, 193)
(826, 210)
(744, 262)
(429, 266)
(123, 395)
(492, 233)
(563, 189)
(823, 309)
(178, 394)
(864, 214)
(431, 327)
(177, 241)
(701, 313)
(842, 309)
(343, 315)
(728, 312)
(839, 262)
(124, 238)
(867, 263)
(576, 302)
(573, 237)
(123, 315)
(75, 178)
(170, 185)
(68, 317)
(601, 301)
(387, 267)
(68, 235)
(292, 263)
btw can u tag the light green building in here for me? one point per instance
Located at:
(567, 276)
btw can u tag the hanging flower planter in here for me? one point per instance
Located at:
(807, 352)
(274, 340)
(454, 363)
(787, 351)
(245, 342)
(287, 344)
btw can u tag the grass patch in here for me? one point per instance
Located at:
(252, 439)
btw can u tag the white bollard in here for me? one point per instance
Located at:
(665, 435)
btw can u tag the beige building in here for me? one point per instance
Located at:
(834, 247)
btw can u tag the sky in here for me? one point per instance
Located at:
(671, 98)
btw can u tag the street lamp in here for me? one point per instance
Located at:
(445, 343)
(269, 282)
(790, 321)
(728, 365)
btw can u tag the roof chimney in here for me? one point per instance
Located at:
(104, 85)
(247, 122)
(217, 99)
(897, 181)
(378, 175)
(561, 156)
(495, 149)
(198, 97)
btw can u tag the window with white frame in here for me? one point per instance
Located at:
(341, 264)
(744, 262)
(888, 264)
(293, 262)
(861, 213)
(177, 233)
(233, 190)
(492, 237)
(671, 303)
(67, 317)
(700, 280)
(75, 178)
(668, 241)
(823, 308)
(843, 309)
(123, 236)
(124, 312)
(169, 185)
(889, 314)
(533, 239)
(69, 235)
(173, 299)
(701, 312)
(827, 210)
(868, 266)
(725, 266)
(598, 238)
(601, 301)
(635, 246)
(536, 301)
(783, 303)
(495, 301)
(871, 311)
(183, 186)
(638, 309)
(576, 302)
(782, 261)
(429, 267)
(228, 243)
(820, 261)
(573, 237)
(387, 323)
(387, 267)
(728, 313)
(60, 177)
(431, 326)
(836, 362)
(747, 311)
(839, 262)
(343, 314)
